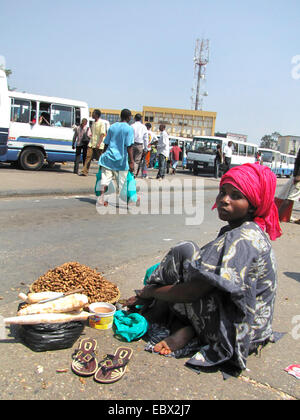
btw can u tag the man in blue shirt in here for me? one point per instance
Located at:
(114, 160)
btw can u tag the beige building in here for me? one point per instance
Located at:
(289, 144)
(178, 122)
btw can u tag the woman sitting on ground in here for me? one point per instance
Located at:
(218, 301)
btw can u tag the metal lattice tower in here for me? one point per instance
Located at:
(201, 59)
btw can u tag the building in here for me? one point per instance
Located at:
(233, 136)
(178, 122)
(289, 144)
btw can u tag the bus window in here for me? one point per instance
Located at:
(291, 160)
(61, 116)
(20, 110)
(33, 112)
(44, 113)
(76, 118)
(235, 147)
(250, 151)
(242, 149)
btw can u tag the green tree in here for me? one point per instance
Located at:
(270, 141)
(8, 73)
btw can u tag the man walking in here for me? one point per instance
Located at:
(95, 147)
(140, 145)
(81, 140)
(162, 151)
(118, 145)
(175, 155)
(228, 151)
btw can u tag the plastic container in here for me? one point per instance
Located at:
(101, 320)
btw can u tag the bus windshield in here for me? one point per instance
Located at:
(267, 156)
(206, 146)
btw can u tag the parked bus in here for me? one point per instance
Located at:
(201, 157)
(281, 164)
(286, 165)
(35, 129)
(270, 158)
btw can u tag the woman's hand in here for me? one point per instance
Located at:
(147, 292)
(141, 297)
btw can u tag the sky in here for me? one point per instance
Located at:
(116, 54)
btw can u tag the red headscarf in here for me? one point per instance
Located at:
(258, 184)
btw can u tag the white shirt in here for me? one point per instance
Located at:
(228, 151)
(163, 144)
(140, 134)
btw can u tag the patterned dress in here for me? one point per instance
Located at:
(236, 317)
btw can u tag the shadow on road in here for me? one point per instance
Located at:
(294, 276)
(87, 200)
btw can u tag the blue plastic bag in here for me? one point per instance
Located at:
(128, 193)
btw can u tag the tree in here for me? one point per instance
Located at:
(270, 141)
(8, 73)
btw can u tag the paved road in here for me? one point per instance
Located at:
(40, 233)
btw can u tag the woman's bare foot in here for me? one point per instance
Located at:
(175, 341)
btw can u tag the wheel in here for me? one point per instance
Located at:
(32, 159)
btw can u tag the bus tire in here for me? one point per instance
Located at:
(32, 159)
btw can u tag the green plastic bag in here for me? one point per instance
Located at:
(129, 327)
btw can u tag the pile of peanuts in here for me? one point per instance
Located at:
(71, 276)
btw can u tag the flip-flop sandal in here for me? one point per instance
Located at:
(114, 366)
(84, 358)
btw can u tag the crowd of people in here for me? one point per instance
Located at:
(123, 147)
(148, 149)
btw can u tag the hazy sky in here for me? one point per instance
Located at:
(117, 54)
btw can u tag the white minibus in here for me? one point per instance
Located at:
(201, 156)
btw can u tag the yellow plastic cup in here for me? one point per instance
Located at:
(101, 320)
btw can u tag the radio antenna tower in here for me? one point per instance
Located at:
(201, 59)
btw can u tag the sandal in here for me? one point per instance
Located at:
(84, 359)
(114, 366)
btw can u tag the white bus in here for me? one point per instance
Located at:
(35, 129)
(202, 155)
(270, 158)
(287, 165)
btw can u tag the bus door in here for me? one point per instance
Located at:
(4, 114)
